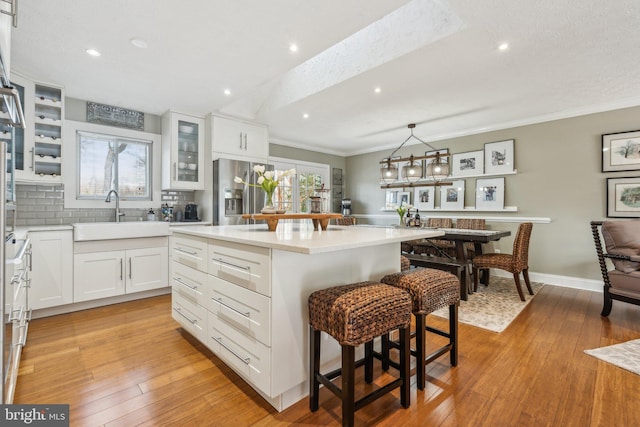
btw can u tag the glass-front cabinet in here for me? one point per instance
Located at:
(38, 147)
(182, 152)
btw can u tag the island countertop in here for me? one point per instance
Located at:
(301, 238)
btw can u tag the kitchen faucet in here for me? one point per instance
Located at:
(108, 200)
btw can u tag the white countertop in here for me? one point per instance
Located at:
(300, 237)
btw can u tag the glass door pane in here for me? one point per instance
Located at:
(188, 151)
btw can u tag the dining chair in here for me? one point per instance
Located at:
(434, 246)
(346, 220)
(471, 224)
(622, 240)
(515, 263)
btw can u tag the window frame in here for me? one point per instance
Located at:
(301, 166)
(70, 161)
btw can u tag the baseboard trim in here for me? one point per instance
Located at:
(557, 280)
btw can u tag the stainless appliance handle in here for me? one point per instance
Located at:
(13, 93)
(245, 360)
(13, 13)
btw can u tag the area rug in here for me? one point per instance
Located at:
(495, 306)
(625, 355)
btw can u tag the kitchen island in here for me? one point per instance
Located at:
(242, 291)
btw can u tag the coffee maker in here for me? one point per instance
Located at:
(191, 212)
(346, 207)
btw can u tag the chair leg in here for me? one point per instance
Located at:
(453, 334)
(421, 349)
(405, 366)
(608, 302)
(348, 386)
(476, 272)
(368, 362)
(384, 349)
(314, 369)
(516, 278)
(525, 273)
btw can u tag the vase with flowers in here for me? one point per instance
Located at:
(268, 181)
(402, 210)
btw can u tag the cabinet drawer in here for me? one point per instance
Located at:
(248, 357)
(247, 311)
(189, 283)
(246, 266)
(192, 317)
(190, 251)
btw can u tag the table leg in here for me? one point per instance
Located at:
(324, 222)
(463, 256)
(484, 278)
(272, 224)
(315, 224)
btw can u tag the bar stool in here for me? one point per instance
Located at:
(355, 314)
(430, 290)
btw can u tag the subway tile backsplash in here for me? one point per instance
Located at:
(43, 204)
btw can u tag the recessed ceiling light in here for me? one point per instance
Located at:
(227, 92)
(142, 44)
(377, 90)
(504, 46)
(93, 52)
(293, 47)
(305, 116)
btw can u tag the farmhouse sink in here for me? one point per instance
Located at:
(118, 230)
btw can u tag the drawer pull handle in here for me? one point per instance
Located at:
(247, 314)
(193, 288)
(186, 252)
(241, 267)
(245, 360)
(177, 310)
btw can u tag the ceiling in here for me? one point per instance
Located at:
(436, 62)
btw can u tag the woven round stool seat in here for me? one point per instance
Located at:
(356, 313)
(430, 289)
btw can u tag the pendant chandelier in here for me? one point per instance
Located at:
(437, 168)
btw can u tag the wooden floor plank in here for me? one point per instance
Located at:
(130, 364)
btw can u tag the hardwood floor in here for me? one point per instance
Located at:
(130, 364)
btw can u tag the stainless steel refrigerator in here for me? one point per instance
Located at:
(230, 199)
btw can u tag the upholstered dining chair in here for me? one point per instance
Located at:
(346, 220)
(515, 263)
(434, 246)
(622, 240)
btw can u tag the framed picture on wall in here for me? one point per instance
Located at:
(424, 198)
(490, 194)
(623, 197)
(621, 151)
(452, 196)
(498, 157)
(404, 197)
(391, 199)
(469, 163)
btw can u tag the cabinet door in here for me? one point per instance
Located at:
(98, 275)
(52, 274)
(239, 138)
(24, 138)
(182, 152)
(147, 269)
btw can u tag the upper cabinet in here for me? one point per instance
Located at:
(182, 152)
(38, 147)
(238, 139)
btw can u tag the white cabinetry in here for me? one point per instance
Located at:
(238, 139)
(115, 267)
(52, 268)
(182, 152)
(38, 148)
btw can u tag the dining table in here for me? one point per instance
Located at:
(460, 237)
